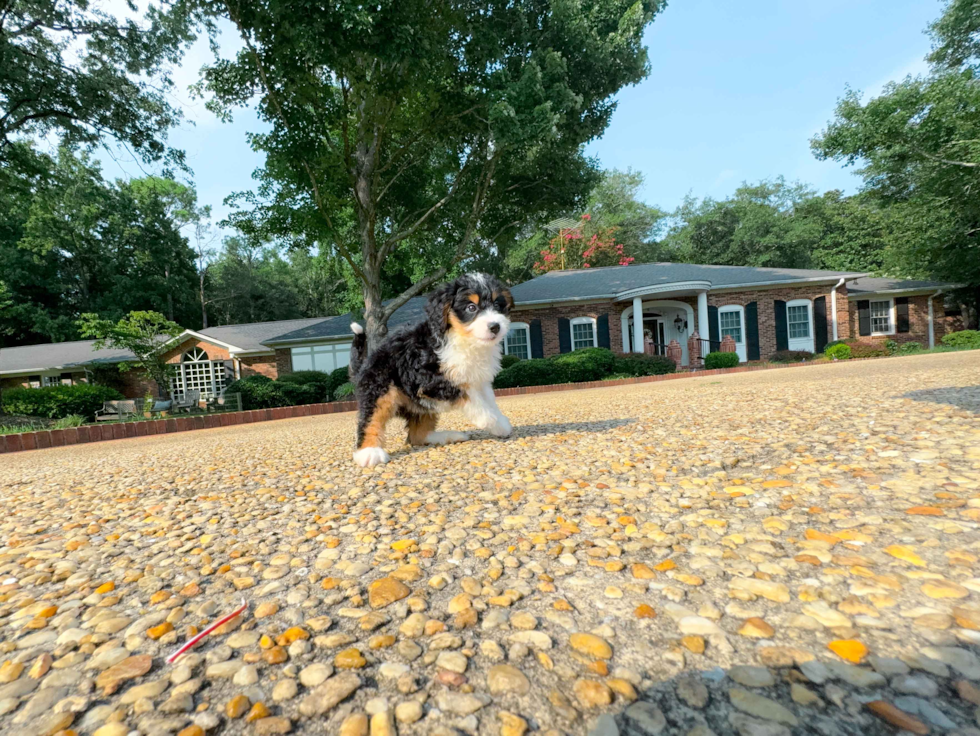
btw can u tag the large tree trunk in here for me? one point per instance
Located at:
(204, 306)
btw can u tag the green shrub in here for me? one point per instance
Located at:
(910, 348)
(638, 364)
(838, 351)
(867, 350)
(307, 393)
(258, 392)
(790, 356)
(720, 360)
(320, 383)
(508, 360)
(963, 340)
(72, 420)
(832, 344)
(55, 402)
(587, 364)
(534, 372)
(344, 392)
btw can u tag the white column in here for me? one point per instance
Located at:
(932, 328)
(704, 329)
(638, 325)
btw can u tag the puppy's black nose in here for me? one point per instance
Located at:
(493, 327)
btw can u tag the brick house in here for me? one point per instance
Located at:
(761, 309)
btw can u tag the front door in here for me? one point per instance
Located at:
(654, 332)
(799, 325)
(731, 321)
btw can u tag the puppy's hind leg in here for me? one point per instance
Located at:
(422, 431)
(374, 411)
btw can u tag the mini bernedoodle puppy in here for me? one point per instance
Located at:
(448, 361)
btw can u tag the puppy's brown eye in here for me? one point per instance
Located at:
(471, 307)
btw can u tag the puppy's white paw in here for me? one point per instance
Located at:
(502, 428)
(445, 438)
(368, 457)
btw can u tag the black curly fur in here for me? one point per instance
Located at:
(407, 360)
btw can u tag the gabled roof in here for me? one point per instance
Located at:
(253, 336)
(58, 356)
(893, 286)
(616, 281)
(409, 313)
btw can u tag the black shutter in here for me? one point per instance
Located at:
(564, 336)
(537, 339)
(602, 330)
(713, 327)
(752, 331)
(782, 332)
(864, 317)
(902, 313)
(819, 323)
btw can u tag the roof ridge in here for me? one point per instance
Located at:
(267, 322)
(42, 344)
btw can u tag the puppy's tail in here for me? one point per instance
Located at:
(357, 350)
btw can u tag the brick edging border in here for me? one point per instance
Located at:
(100, 433)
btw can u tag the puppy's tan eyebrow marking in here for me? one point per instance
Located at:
(475, 298)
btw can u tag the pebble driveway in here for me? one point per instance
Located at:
(761, 554)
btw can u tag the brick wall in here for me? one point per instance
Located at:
(265, 365)
(284, 361)
(549, 322)
(918, 323)
(215, 352)
(765, 299)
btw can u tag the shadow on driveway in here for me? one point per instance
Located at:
(964, 397)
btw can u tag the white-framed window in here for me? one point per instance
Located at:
(730, 323)
(799, 325)
(882, 316)
(324, 358)
(196, 372)
(798, 321)
(53, 379)
(583, 333)
(518, 340)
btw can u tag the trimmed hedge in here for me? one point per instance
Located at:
(318, 382)
(790, 356)
(838, 351)
(964, 339)
(534, 372)
(587, 364)
(57, 402)
(867, 350)
(507, 361)
(581, 366)
(635, 365)
(720, 360)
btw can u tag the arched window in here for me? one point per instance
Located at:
(197, 373)
(194, 355)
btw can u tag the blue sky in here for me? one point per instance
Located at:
(735, 93)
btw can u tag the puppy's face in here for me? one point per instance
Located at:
(475, 307)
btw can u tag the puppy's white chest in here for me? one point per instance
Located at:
(466, 363)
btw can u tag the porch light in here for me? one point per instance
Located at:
(679, 323)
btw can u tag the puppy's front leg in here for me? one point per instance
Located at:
(482, 410)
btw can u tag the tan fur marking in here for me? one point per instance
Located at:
(374, 432)
(475, 298)
(461, 327)
(419, 428)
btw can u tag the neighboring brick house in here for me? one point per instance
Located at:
(763, 310)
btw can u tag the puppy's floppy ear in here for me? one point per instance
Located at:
(438, 306)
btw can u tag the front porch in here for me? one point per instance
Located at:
(674, 321)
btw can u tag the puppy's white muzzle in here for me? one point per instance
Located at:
(491, 326)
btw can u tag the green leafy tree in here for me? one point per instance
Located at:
(417, 134)
(71, 242)
(918, 148)
(142, 334)
(616, 217)
(74, 70)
